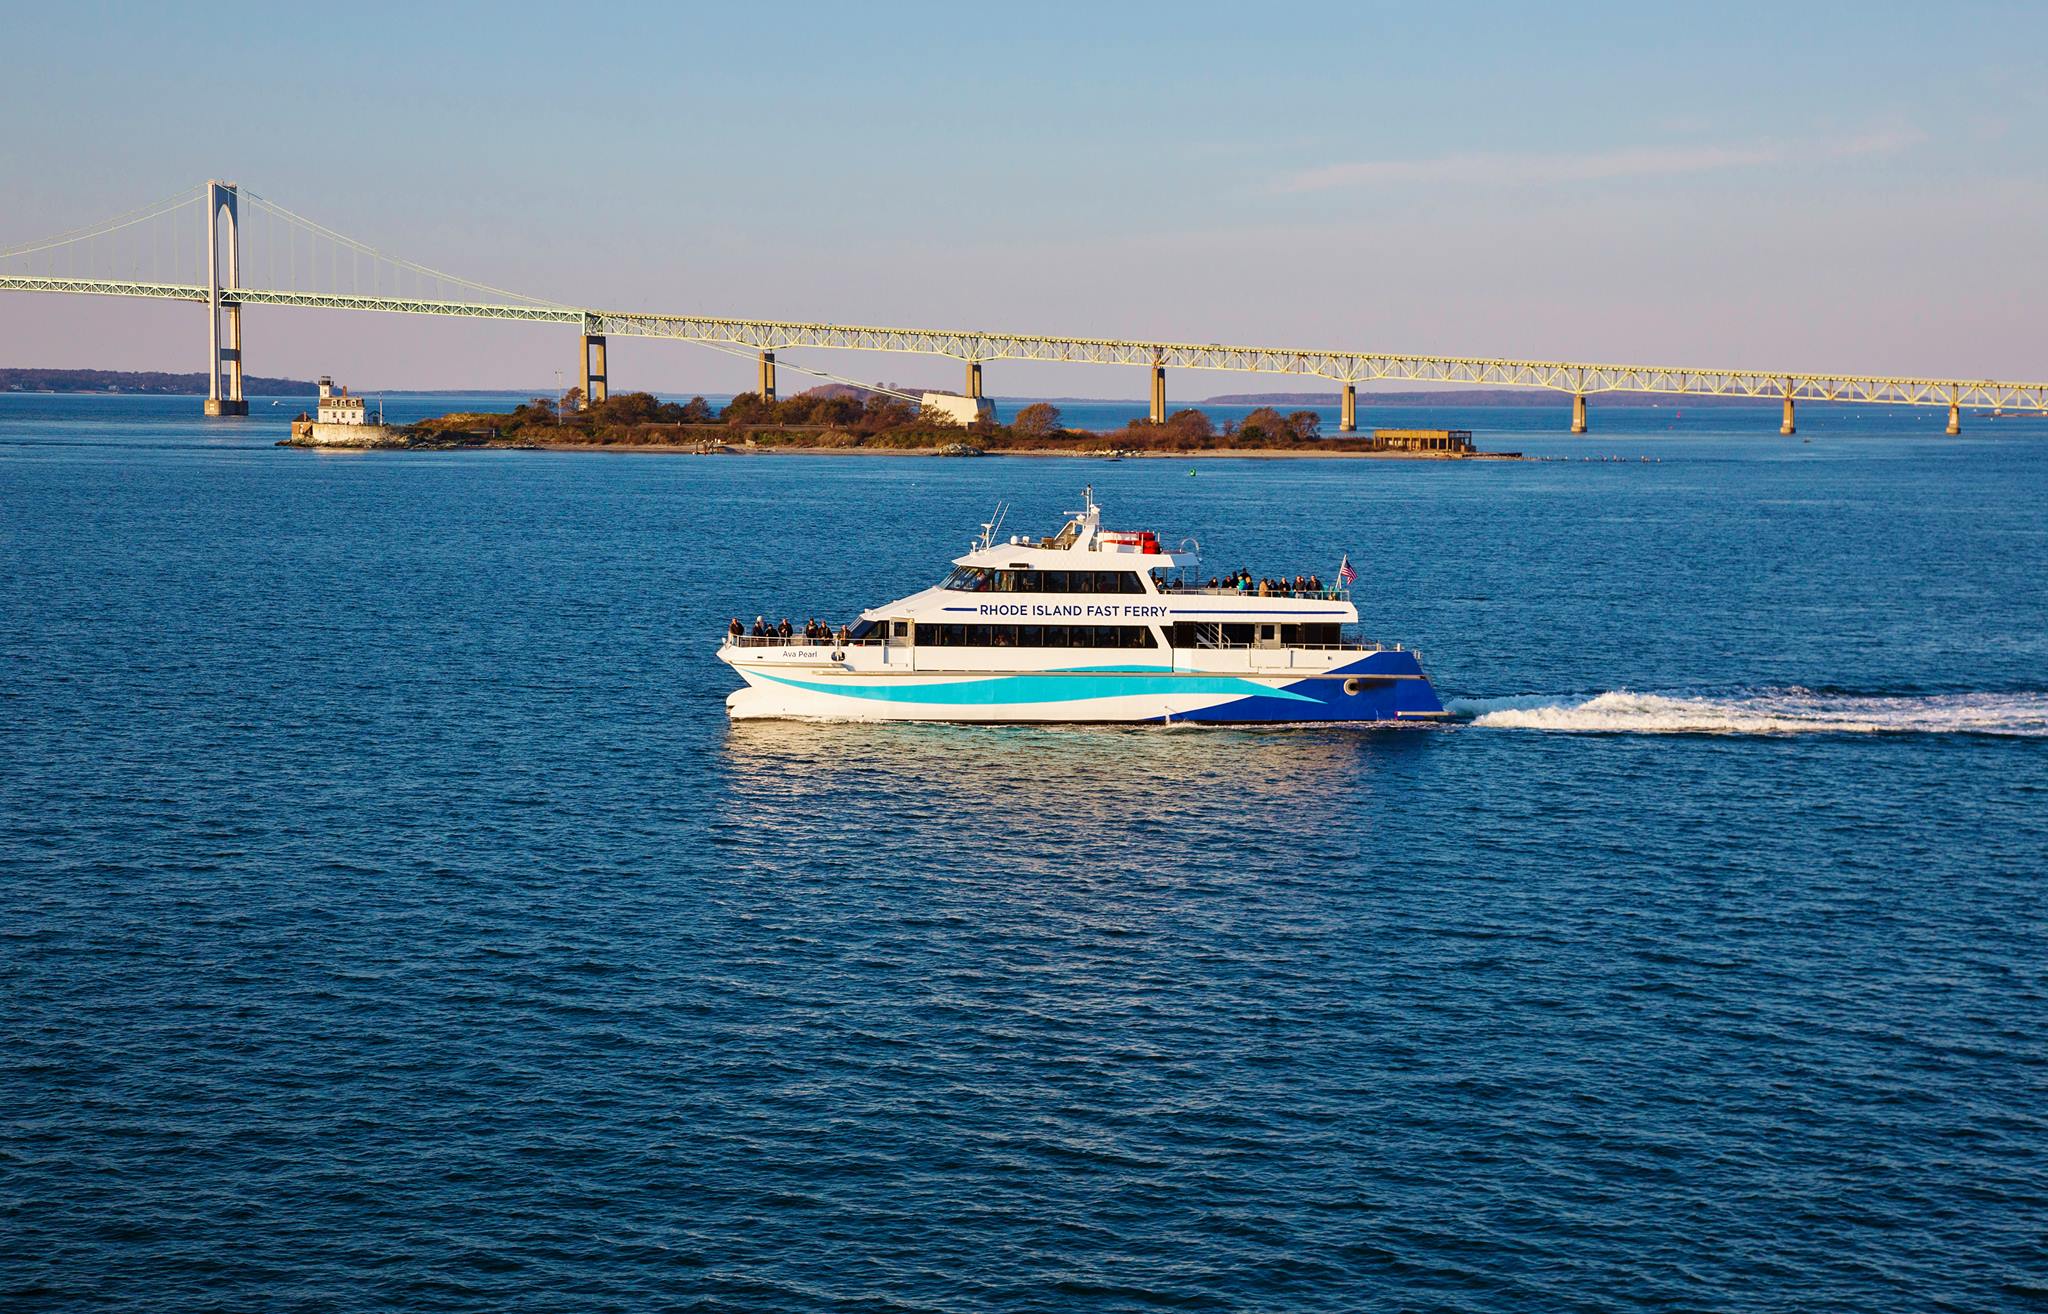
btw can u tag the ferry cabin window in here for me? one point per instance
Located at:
(1036, 636)
(1203, 634)
(969, 579)
(980, 579)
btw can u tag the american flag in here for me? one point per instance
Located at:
(1345, 573)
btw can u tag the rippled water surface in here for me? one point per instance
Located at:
(394, 921)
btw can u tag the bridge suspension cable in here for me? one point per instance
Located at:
(144, 253)
(314, 229)
(190, 196)
(913, 398)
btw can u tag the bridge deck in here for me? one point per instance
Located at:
(1346, 367)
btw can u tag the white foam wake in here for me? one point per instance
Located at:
(1764, 712)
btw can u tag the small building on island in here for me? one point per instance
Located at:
(337, 407)
(953, 408)
(339, 420)
(1451, 442)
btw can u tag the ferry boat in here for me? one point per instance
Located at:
(1086, 625)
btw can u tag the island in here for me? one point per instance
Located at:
(838, 419)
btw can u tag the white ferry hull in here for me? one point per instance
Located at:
(1383, 686)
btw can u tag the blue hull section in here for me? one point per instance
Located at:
(1379, 687)
(1366, 694)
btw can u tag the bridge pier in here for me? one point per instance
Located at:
(1347, 418)
(766, 386)
(974, 379)
(1955, 420)
(596, 386)
(1788, 428)
(1578, 412)
(224, 360)
(1159, 394)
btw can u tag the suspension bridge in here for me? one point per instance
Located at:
(190, 247)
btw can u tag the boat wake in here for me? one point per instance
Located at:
(1784, 711)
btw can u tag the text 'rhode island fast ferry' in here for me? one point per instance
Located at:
(1085, 626)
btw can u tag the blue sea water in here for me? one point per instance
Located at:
(393, 920)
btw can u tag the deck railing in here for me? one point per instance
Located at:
(1328, 595)
(798, 640)
(1362, 646)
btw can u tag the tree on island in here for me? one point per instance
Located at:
(1266, 427)
(1189, 426)
(1038, 420)
(1262, 426)
(748, 408)
(885, 413)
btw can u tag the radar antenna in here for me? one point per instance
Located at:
(993, 524)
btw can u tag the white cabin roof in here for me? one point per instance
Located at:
(1082, 544)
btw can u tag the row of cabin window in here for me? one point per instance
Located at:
(1203, 634)
(982, 579)
(1036, 636)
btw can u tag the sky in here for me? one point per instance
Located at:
(1854, 187)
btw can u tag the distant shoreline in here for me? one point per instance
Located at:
(146, 383)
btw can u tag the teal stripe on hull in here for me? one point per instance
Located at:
(1008, 689)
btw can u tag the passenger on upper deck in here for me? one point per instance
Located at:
(735, 630)
(760, 627)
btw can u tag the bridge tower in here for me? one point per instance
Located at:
(224, 362)
(596, 378)
(1158, 392)
(1347, 419)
